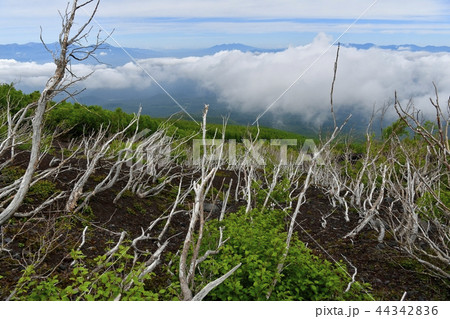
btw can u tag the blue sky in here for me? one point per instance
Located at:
(262, 23)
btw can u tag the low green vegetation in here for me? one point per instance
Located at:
(40, 191)
(79, 119)
(15, 98)
(109, 279)
(10, 174)
(257, 240)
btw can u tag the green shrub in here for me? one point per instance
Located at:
(257, 240)
(429, 209)
(398, 128)
(10, 174)
(40, 191)
(17, 99)
(106, 283)
(279, 195)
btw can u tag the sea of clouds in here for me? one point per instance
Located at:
(253, 81)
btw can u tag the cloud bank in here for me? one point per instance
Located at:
(249, 82)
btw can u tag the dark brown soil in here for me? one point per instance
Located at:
(384, 266)
(388, 269)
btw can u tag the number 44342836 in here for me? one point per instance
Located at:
(407, 310)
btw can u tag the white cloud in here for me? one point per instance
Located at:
(249, 82)
(252, 82)
(399, 9)
(29, 74)
(122, 77)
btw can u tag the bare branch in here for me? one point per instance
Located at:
(205, 291)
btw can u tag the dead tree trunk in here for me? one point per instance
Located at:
(58, 83)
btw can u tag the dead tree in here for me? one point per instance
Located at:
(187, 266)
(397, 187)
(94, 153)
(301, 199)
(70, 48)
(421, 230)
(18, 128)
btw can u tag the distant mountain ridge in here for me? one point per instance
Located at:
(401, 47)
(115, 56)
